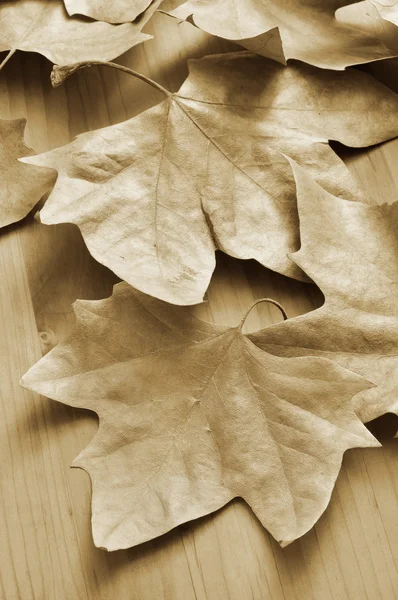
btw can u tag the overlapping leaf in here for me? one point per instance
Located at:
(193, 415)
(351, 251)
(117, 11)
(388, 9)
(155, 195)
(365, 15)
(22, 185)
(44, 26)
(309, 30)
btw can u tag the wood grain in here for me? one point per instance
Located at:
(46, 549)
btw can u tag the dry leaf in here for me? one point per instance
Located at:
(44, 26)
(350, 250)
(193, 415)
(365, 15)
(388, 9)
(117, 11)
(155, 195)
(308, 30)
(22, 185)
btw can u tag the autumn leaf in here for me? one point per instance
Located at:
(388, 9)
(350, 250)
(118, 11)
(309, 30)
(155, 195)
(22, 185)
(193, 415)
(44, 26)
(365, 15)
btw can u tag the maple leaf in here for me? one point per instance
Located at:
(350, 250)
(22, 185)
(308, 30)
(118, 11)
(44, 26)
(193, 415)
(156, 195)
(365, 15)
(388, 9)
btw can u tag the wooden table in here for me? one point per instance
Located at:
(46, 548)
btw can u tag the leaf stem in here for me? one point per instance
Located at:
(7, 58)
(60, 73)
(259, 302)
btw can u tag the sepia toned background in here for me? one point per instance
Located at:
(46, 548)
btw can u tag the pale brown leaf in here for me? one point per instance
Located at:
(155, 195)
(309, 30)
(388, 9)
(350, 250)
(116, 11)
(193, 415)
(22, 185)
(44, 26)
(366, 16)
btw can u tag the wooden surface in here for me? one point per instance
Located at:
(46, 548)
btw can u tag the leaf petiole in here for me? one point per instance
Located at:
(60, 73)
(259, 302)
(7, 58)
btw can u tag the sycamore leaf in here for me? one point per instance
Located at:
(309, 30)
(155, 195)
(44, 26)
(117, 11)
(350, 250)
(365, 15)
(388, 9)
(22, 185)
(193, 415)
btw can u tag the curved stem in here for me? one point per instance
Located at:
(7, 58)
(274, 302)
(59, 73)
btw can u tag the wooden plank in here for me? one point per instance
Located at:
(46, 547)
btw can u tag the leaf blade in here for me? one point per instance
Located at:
(184, 428)
(156, 195)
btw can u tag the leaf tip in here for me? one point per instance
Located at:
(284, 543)
(25, 382)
